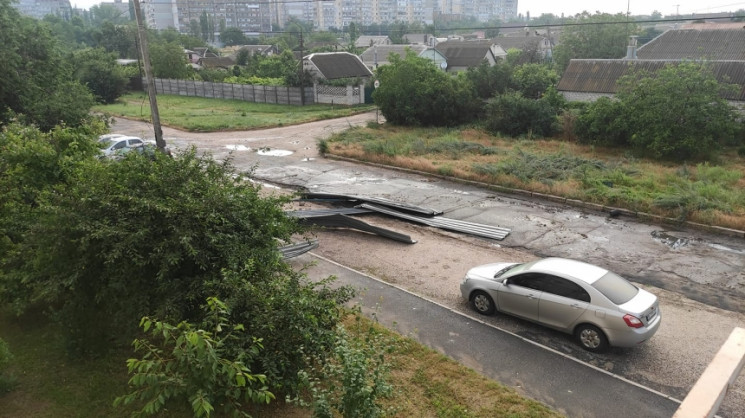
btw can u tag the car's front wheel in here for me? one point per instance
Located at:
(483, 303)
(591, 338)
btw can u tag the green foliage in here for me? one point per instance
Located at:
(120, 240)
(37, 83)
(490, 80)
(603, 123)
(257, 81)
(283, 66)
(168, 60)
(232, 36)
(99, 71)
(512, 114)
(676, 113)
(533, 80)
(593, 36)
(415, 92)
(7, 381)
(195, 365)
(528, 166)
(351, 381)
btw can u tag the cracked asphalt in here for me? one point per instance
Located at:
(699, 276)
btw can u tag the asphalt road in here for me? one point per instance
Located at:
(692, 265)
(572, 387)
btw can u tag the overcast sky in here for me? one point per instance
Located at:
(636, 7)
(572, 7)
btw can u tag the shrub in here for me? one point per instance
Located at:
(196, 366)
(604, 122)
(7, 382)
(514, 115)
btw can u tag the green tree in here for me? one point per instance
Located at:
(514, 115)
(116, 38)
(168, 60)
(413, 91)
(532, 80)
(99, 71)
(154, 237)
(490, 80)
(37, 83)
(601, 35)
(232, 36)
(676, 113)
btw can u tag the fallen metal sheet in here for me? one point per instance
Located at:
(374, 200)
(471, 228)
(325, 212)
(294, 250)
(339, 220)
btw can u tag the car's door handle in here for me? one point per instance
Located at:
(531, 296)
(574, 305)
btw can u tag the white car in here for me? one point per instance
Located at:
(598, 307)
(116, 144)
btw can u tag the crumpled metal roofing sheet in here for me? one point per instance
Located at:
(471, 228)
(339, 220)
(294, 250)
(376, 200)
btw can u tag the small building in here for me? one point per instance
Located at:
(462, 55)
(335, 65)
(366, 41)
(379, 55)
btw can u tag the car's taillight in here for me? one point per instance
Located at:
(633, 321)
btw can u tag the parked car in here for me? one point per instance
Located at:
(117, 144)
(597, 306)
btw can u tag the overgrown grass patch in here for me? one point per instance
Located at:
(200, 114)
(706, 193)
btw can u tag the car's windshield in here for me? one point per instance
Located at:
(508, 268)
(615, 288)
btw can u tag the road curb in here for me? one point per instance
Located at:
(648, 217)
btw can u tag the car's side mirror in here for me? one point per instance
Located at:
(506, 282)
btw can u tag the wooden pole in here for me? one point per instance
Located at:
(142, 35)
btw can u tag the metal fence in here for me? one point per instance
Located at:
(345, 95)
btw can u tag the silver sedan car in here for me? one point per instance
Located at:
(597, 306)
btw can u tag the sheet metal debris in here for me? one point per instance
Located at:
(405, 207)
(471, 228)
(339, 220)
(294, 250)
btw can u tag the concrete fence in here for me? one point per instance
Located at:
(345, 95)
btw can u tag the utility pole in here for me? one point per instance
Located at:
(302, 72)
(159, 141)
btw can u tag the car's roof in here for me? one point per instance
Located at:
(587, 273)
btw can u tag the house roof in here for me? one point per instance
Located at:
(365, 41)
(383, 51)
(216, 62)
(465, 53)
(417, 38)
(601, 76)
(333, 65)
(518, 42)
(710, 44)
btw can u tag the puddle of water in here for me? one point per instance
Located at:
(274, 152)
(238, 147)
(669, 240)
(728, 249)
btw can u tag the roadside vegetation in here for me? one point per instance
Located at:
(198, 114)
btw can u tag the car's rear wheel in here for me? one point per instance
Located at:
(591, 338)
(483, 303)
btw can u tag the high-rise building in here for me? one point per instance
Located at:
(41, 8)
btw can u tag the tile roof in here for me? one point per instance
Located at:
(333, 65)
(464, 53)
(383, 51)
(518, 42)
(710, 44)
(365, 41)
(600, 76)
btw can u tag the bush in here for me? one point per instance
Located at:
(7, 382)
(195, 366)
(415, 92)
(603, 123)
(98, 70)
(533, 80)
(512, 114)
(352, 380)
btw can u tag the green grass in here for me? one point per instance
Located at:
(51, 384)
(707, 193)
(198, 114)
